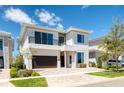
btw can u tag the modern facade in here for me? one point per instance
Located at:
(94, 49)
(6, 48)
(53, 48)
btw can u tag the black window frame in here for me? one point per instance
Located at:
(80, 57)
(1, 45)
(80, 38)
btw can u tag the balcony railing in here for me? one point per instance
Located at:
(45, 41)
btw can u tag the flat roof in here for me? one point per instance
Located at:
(3, 33)
(25, 25)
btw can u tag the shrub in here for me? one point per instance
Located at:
(82, 65)
(34, 73)
(111, 67)
(29, 72)
(23, 73)
(17, 62)
(99, 62)
(13, 73)
(92, 64)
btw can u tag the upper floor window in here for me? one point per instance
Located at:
(80, 38)
(1, 45)
(61, 40)
(43, 38)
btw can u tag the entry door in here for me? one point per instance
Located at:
(70, 59)
(62, 61)
(1, 62)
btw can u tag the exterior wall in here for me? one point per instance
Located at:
(95, 58)
(6, 53)
(71, 47)
(71, 38)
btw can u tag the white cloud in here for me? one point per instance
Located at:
(49, 18)
(60, 26)
(85, 6)
(18, 16)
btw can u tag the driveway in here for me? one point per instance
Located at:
(112, 83)
(59, 71)
(70, 77)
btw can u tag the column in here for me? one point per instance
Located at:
(58, 61)
(74, 60)
(65, 56)
(30, 63)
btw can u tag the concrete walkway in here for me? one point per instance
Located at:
(4, 74)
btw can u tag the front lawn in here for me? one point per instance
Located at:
(34, 82)
(109, 74)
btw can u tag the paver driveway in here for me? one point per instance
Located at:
(57, 71)
(69, 77)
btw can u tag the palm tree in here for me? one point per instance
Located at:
(113, 43)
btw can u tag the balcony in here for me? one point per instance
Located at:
(46, 41)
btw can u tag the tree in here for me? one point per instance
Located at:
(113, 43)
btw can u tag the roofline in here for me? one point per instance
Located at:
(79, 30)
(96, 38)
(7, 34)
(25, 25)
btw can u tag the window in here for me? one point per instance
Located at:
(37, 37)
(92, 54)
(44, 38)
(80, 57)
(80, 38)
(50, 39)
(1, 45)
(61, 40)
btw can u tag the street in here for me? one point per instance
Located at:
(113, 83)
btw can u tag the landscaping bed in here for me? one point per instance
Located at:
(34, 82)
(109, 74)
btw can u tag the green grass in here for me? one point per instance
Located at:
(34, 82)
(109, 74)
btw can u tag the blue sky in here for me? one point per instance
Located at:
(98, 19)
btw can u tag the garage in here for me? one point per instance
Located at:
(44, 62)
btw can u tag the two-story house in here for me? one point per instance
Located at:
(6, 48)
(53, 48)
(95, 51)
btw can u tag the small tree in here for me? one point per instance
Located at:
(113, 43)
(101, 59)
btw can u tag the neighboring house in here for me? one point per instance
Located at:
(6, 48)
(54, 48)
(94, 49)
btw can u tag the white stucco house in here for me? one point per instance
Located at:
(54, 48)
(95, 50)
(6, 48)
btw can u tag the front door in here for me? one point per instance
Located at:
(62, 61)
(1, 62)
